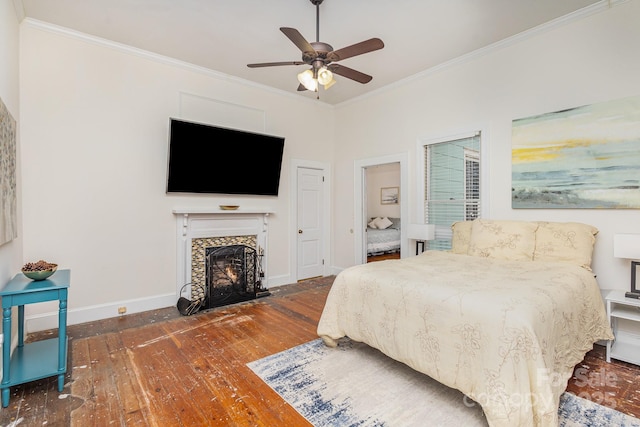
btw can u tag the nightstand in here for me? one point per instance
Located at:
(39, 359)
(626, 345)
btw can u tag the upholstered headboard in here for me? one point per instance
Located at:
(525, 240)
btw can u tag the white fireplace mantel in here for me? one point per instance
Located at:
(203, 213)
(183, 211)
(194, 223)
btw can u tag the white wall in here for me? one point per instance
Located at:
(587, 61)
(94, 128)
(387, 175)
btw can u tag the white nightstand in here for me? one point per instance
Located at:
(626, 346)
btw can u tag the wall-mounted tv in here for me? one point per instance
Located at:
(211, 159)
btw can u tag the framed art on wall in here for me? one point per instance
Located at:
(8, 210)
(585, 157)
(389, 195)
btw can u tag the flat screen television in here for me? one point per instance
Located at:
(211, 159)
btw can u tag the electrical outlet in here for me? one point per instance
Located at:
(122, 310)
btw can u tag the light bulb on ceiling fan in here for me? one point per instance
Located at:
(306, 79)
(324, 76)
(318, 54)
(328, 85)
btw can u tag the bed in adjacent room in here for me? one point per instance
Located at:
(383, 235)
(503, 317)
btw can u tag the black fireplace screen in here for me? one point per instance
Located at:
(231, 274)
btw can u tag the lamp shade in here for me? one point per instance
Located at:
(626, 246)
(421, 231)
(307, 80)
(331, 83)
(324, 76)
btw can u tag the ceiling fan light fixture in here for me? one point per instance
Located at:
(328, 85)
(319, 55)
(306, 79)
(324, 76)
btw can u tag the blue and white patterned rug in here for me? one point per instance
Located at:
(356, 385)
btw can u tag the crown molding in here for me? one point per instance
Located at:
(578, 15)
(162, 59)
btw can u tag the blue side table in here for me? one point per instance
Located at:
(40, 359)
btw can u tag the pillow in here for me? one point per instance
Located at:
(382, 223)
(395, 223)
(461, 237)
(565, 242)
(372, 223)
(502, 239)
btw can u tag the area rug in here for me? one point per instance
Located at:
(356, 385)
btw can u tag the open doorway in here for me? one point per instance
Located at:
(382, 207)
(369, 191)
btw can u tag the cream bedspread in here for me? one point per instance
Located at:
(506, 333)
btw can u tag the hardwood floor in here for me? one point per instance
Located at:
(382, 257)
(162, 369)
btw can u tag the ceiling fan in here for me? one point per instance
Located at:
(323, 59)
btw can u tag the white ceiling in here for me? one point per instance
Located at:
(226, 35)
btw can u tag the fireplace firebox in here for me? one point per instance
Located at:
(232, 274)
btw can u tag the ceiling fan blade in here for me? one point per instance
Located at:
(301, 88)
(355, 49)
(297, 39)
(350, 73)
(275, 64)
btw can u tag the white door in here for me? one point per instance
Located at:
(310, 222)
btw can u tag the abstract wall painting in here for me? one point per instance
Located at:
(581, 158)
(389, 195)
(8, 212)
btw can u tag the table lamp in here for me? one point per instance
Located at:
(628, 246)
(421, 233)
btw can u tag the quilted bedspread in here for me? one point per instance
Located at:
(382, 240)
(506, 333)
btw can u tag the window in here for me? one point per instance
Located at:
(471, 183)
(452, 185)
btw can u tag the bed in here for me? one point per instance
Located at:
(503, 317)
(383, 240)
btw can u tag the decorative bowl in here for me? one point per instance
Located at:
(229, 207)
(40, 274)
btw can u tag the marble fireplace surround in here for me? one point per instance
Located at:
(229, 227)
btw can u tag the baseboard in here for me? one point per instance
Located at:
(44, 321)
(337, 270)
(288, 279)
(274, 281)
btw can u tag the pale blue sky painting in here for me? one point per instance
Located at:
(584, 157)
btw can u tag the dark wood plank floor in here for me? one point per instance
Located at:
(382, 257)
(162, 369)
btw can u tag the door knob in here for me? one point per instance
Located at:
(299, 231)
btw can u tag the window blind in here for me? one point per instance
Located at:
(452, 186)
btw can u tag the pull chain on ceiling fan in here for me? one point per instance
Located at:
(323, 58)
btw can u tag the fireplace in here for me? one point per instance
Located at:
(199, 233)
(232, 275)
